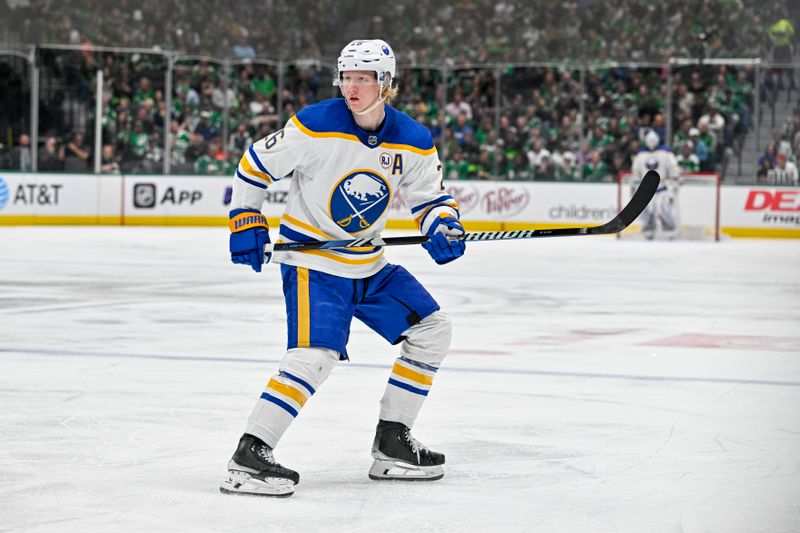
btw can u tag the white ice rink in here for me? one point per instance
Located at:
(594, 385)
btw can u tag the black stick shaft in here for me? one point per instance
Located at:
(642, 196)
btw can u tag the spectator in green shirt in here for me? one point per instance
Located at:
(262, 83)
(208, 164)
(688, 162)
(144, 91)
(568, 171)
(456, 166)
(595, 169)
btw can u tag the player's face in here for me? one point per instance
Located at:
(360, 88)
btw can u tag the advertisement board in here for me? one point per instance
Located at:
(25, 198)
(507, 205)
(756, 211)
(185, 199)
(174, 200)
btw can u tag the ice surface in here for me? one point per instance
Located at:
(594, 385)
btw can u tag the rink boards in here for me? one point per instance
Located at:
(86, 199)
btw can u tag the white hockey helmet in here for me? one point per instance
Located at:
(367, 54)
(651, 140)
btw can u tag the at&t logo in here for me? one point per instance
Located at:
(3, 193)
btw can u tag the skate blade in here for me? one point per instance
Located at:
(242, 483)
(383, 469)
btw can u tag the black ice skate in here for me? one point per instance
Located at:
(398, 455)
(253, 470)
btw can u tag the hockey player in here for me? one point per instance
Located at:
(655, 156)
(347, 157)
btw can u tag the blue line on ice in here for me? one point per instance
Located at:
(590, 375)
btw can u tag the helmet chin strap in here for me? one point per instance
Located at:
(371, 108)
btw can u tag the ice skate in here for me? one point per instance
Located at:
(253, 470)
(400, 456)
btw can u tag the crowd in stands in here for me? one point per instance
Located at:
(422, 31)
(545, 131)
(133, 118)
(536, 127)
(135, 111)
(201, 145)
(274, 29)
(778, 165)
(542, 134)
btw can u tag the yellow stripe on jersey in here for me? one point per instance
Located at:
(351, 137)
(247, 167)
(306, 226)
(345, 260)
(420, 151)
(323, 134)
(289, 391)
(303, 309)
(410, 374)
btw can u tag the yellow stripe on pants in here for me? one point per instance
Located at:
(303, 311)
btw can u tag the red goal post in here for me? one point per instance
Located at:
(697, 205)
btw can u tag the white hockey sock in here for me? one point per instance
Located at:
(423, 350)
(408, 386)
(300, 374)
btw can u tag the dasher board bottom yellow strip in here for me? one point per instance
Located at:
(221, 221)
(60, 220)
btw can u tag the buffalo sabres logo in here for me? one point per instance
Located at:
(651, 163)
(359, 199)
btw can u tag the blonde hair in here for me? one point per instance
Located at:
(389, 93)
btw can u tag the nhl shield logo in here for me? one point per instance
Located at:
(359, 199)
(373, 140)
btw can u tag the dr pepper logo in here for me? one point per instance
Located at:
(505, 200)
(467, 197)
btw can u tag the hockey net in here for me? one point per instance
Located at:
(697, 206)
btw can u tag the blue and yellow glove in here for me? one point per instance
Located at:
(439, 247)
(249, 235)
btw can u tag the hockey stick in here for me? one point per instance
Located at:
(642, 196)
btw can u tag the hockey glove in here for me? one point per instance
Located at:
(441, 249)
(249, 234)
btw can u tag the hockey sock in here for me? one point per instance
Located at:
(408, 386)
(300, 374)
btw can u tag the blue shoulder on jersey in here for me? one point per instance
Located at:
(333, 116)
(327, 116)
(408, 131)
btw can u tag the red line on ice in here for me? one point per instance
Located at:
(730, 342)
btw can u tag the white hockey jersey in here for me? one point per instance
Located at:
(662, 160)
(343, 179)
